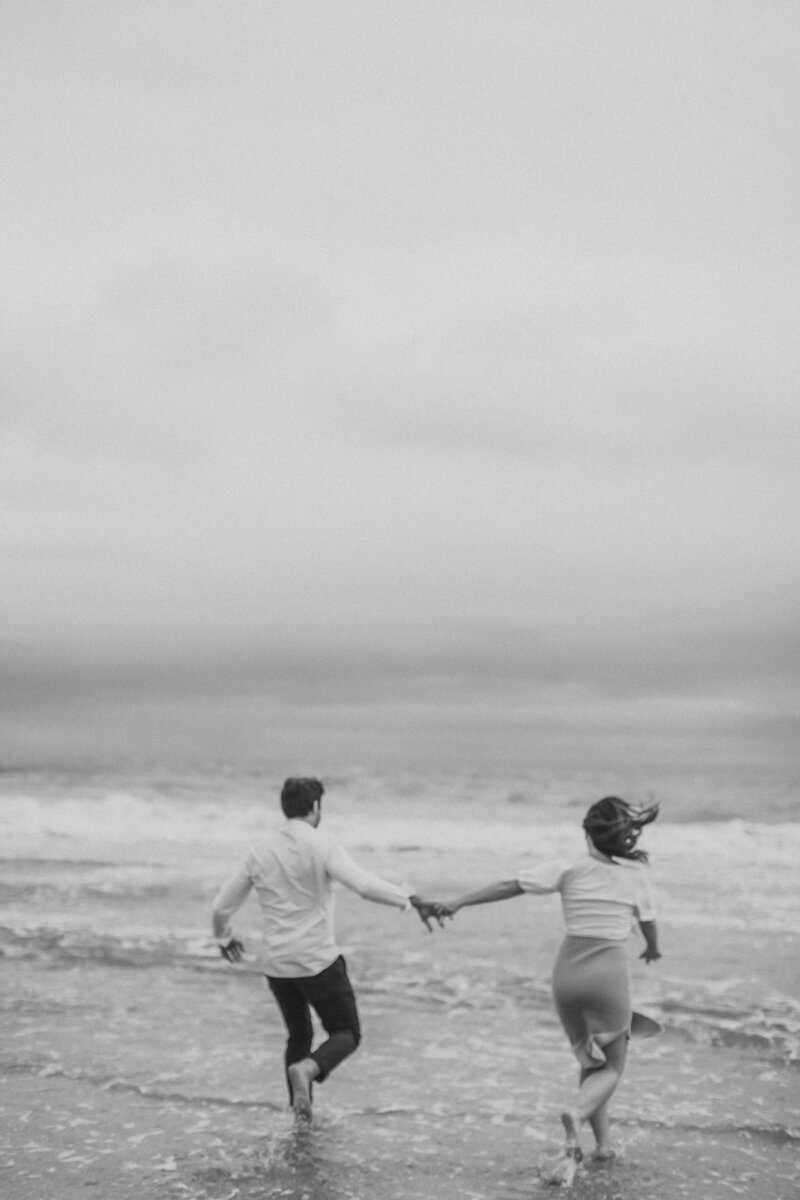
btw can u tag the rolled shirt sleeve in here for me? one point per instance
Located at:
(341, 867)
(541, 878)
(231, 897)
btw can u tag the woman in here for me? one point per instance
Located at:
(600, 896)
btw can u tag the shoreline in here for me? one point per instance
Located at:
(139, 1065)
(160, 1108)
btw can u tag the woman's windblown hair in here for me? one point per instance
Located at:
(614, 827)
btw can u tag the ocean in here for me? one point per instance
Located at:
(136, 1062)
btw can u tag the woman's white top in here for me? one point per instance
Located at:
(600, 897)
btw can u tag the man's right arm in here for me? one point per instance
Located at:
(229, 899)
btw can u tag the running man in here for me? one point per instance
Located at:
(293, 870)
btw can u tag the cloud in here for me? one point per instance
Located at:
(168, 358)
(647, 359)
(364, 356)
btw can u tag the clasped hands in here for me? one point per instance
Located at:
(431, 910)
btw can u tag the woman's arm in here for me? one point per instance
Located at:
(495, 891)
(650, 934)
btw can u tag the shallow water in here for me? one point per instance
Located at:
(131, 1053)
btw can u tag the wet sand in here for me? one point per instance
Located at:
(157, 1076)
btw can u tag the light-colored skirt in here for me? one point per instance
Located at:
(591, 990)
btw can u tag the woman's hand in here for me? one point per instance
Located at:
(429, 910)
(650, 935)
(439, 910)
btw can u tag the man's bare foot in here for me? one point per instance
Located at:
(301, 1076)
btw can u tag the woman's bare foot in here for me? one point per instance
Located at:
(301, 1076)
(571, 1146)
(603, 1154)
(562, 1173)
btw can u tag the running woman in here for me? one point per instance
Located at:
(602, 894)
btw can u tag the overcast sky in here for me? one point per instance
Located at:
(397, 374)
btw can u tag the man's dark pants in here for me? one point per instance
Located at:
(330, 994)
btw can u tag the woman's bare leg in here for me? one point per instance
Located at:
(599, 1086)
(563, 1170)
(595, 1090)
(598, 1121)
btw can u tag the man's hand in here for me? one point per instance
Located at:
(232, 950)
(650, 954)
(429, 910)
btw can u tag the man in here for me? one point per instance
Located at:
(292, 871)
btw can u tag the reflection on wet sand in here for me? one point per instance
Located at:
(136, 1063)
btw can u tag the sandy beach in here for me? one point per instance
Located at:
(402, 394)
(135, 1063)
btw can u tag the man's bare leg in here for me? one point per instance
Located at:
(301, 1075)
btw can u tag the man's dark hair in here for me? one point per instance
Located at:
(614, 827)
(298, 796)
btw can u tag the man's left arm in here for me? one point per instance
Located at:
(341, 867)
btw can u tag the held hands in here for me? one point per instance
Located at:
(232, 950)
(430, 910)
